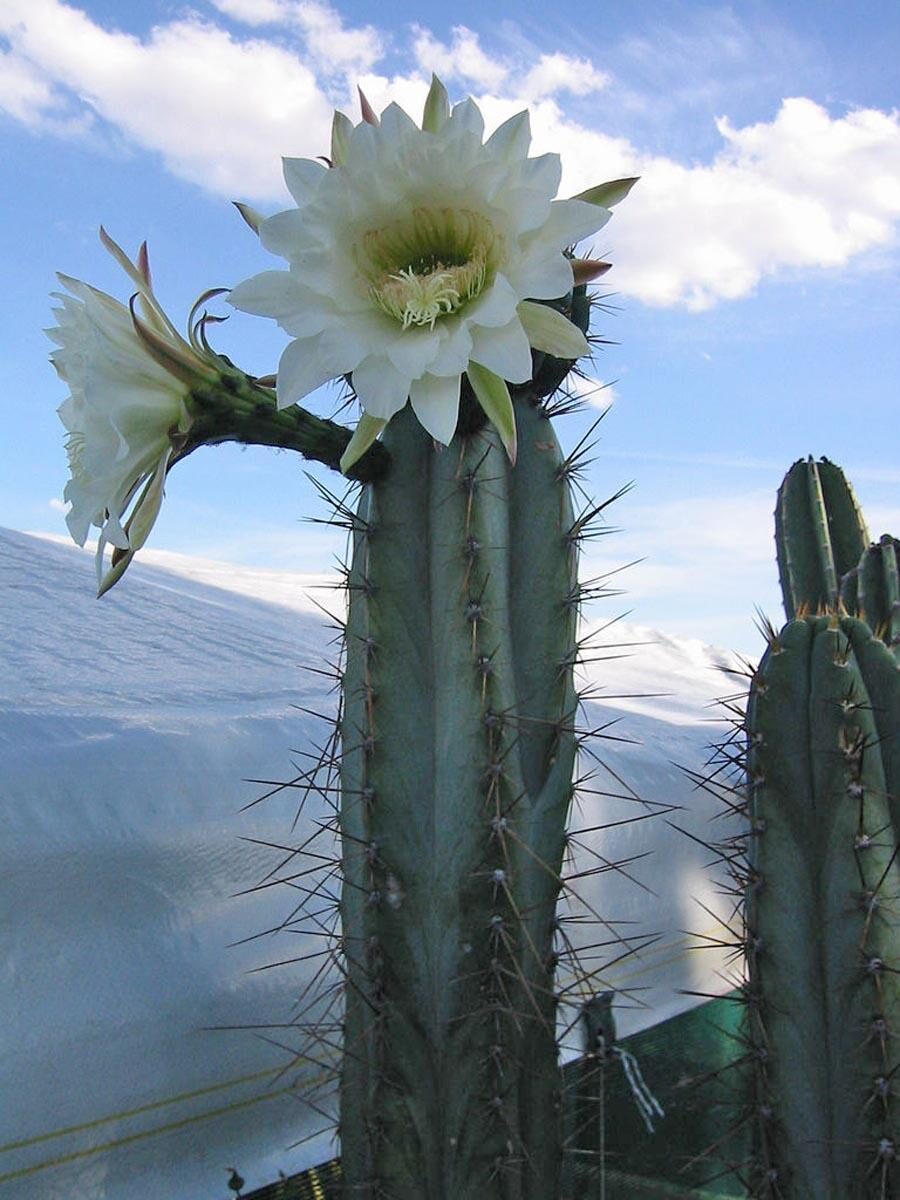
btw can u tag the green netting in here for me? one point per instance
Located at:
(684, 1063)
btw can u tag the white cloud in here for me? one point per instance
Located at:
(805, 190)
(597, 393)
(560, 73)
(218, 110)
(24, 92)
(57, 505)
(332, 47)
(462, 59)
(253, 12)
(330, 44)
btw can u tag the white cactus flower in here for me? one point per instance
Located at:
(129, 379)
(417, 257)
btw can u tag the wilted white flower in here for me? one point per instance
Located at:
(129, 378)
(417, 257)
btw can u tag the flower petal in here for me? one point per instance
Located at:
(341, 128)
(493, 395)
(147, 508)
(495, 307)
(504, 351)
(437, 106)
(365, 433)
(510, 141)
(413, 350)
(281, 296)
(608, 194)
(467, 115)
(435, 401)
(456, 346)
(381, 388)
(303, 176)
(571, 220)
(548, 330)
(545, 276)
(306, 364)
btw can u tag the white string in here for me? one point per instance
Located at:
(648, 1105)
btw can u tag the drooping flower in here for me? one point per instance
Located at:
(419, 257)
(129, 378)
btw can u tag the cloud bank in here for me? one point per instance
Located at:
(220, 95)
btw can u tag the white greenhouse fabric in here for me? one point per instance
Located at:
(127, 728)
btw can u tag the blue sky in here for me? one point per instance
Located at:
(756, 311)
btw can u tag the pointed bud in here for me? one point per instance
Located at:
(585, 270)
(368, 112)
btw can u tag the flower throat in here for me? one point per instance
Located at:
(429, 265)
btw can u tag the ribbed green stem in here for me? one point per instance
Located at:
(872, 590)
(456, 777)
(822, 941)
(819, 535)
(238, 410)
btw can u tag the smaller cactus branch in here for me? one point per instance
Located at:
(237, 409)
(820, 534)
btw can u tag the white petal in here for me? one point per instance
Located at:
(467, 115)
(284, 232)
(495, 307)
(397, 127)
(456, 346)
(550, 331)
(147, 508)
(546, 276)
(436, 404)
(381, 388)
(114, 534)
(306, 364)
(571, 220)
(511, 140)
(303, 176)
(79, 518)
(413, 350)
(525, 209)
(543, 174)
(504, 351)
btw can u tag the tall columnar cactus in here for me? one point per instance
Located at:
(456, 781)
(433, 271)
(819, 535)
(822, 943)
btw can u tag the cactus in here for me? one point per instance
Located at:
(823, 989)
(819, 535)
(872, 590)
(456, 777)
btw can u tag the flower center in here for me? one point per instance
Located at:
(430, 264)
